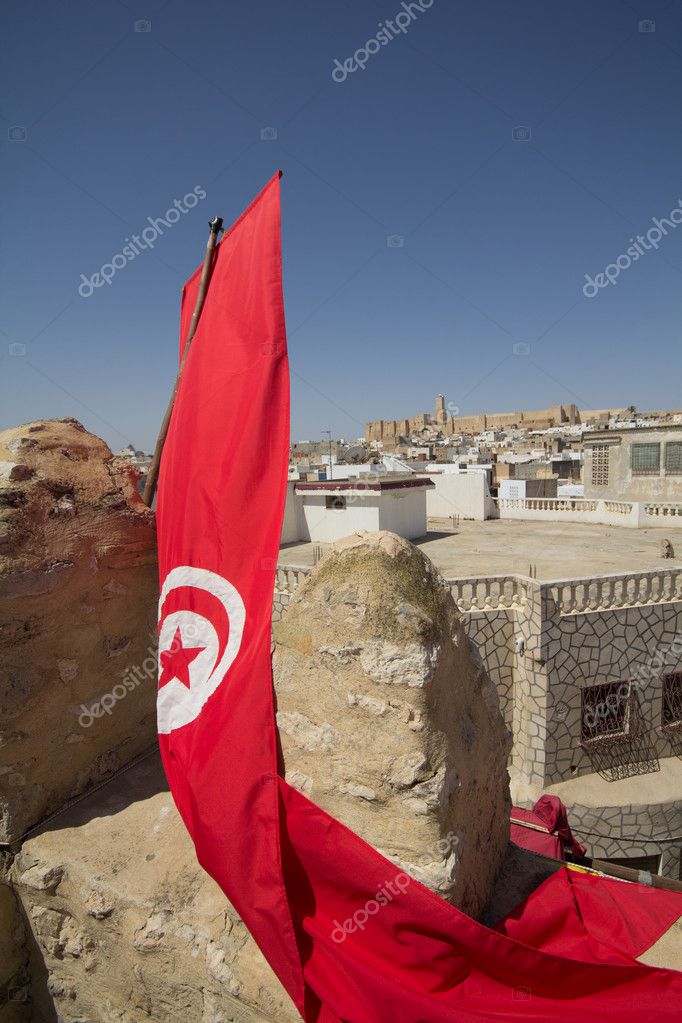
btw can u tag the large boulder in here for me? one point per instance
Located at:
(389, 722)
(126, 926)
(78, 592)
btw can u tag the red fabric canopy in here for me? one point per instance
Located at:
(352, 937)
(530, 832)
(545, 829)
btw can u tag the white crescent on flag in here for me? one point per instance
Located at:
(196, 648)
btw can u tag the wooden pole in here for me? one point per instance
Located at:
(216, 226)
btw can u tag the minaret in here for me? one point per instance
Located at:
(441, 416)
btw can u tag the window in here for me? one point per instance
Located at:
(606, 710)
(646, 459)
(671, 716)
(649, 863)
(600, 465)
(335, 503)
(673, 458)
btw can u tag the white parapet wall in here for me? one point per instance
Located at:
(631, 514)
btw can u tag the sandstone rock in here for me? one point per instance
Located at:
(78, 591)
(32, 873)
(135, 931)
(382, 710)
(14, 976)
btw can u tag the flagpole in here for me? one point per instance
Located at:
(216, 226)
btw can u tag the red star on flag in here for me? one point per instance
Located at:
(176, 660)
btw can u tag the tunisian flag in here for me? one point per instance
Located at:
(351, 937)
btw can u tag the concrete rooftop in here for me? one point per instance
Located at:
(559, 550)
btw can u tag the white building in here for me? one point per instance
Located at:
(326, 511)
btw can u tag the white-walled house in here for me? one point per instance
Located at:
(326, 511)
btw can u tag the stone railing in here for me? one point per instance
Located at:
(633, 514)
(618, 507)
(500, 592)
(544, 504)
(661, 510)
(287, 580)
(289, 577)
(490, 593)
(609, 592)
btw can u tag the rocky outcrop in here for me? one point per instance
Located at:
(389, 722)
(126, 926)
(14, 973)
(78, 591)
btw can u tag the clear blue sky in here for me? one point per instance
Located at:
(104, 126)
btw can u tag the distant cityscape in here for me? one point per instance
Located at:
(529, 453)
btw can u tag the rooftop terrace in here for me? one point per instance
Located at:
(559, 550)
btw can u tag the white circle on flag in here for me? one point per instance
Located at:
(204, 668)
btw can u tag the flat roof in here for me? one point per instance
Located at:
(560, 550)
(374, 484)
(630, 430)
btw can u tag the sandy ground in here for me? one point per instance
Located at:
(560, 551)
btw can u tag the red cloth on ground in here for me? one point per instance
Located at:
(582, 915)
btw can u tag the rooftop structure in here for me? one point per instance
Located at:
(640, 464)
(326, 510)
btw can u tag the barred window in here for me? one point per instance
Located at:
(600, 465)
(605, 710)
(673, 458)
(646, 459)
(672, 700)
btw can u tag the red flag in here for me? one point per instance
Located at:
(581, 915)
(351, 937)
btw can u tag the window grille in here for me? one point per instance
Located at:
(646, 459)
(613, 731)
(673, 458)
(605, 710)
(672, 700)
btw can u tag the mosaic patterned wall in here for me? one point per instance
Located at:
(605, 646)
